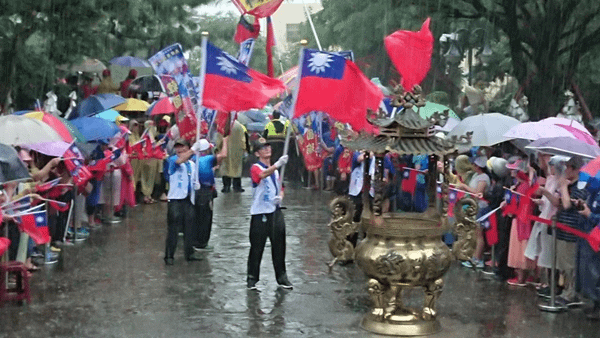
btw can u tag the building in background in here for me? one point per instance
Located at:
(287, 21)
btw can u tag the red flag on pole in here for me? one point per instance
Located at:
(259, 9)
(231, 86)
(453, 197)
(491, 232)
(79, 172)
(411, 54)
(334, 85)
(246, 30)
(409, 181)
(36, 225)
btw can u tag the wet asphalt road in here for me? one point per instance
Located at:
(116, 285)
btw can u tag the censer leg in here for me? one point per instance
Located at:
(432, 293)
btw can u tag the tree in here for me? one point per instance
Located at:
(547, 40)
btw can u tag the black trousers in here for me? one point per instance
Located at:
(181, 212)
(204, 216)
(273, 228)
(237, 183)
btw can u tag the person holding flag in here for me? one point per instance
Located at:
(266, 216)
(478, 185)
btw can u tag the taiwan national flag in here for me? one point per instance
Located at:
(512, 203)
(36, 225)
(332, 84)
(79, 172)
(453, 197)
(19, 205)
(40, 188)
(490, 225)
(409, 181)
(231, 86)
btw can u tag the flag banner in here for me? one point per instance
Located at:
(17, 206)
(231, 86)
(59, 206)
(525, 209)
(347, 54)
(269, 47)
(99, 167)
(79, 172)
(136, 150)
(28, 210)
(410, 53)
(308, 145)
(409, 180)
(245, 30)
(290, 78)
(258, 8)
(512, 202)
(43, 187)
(334, 85)
(245, 52)
(490, 225)
(171, 67)
(454, 196)
(36, 226)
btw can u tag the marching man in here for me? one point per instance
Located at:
(267, 218)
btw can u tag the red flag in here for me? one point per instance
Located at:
(40, 188)
(80, 174)
(453, 197)
(246, 30)
(4, 244)
(411, 54)
(524, 210)
(260, 9)
(491, 232)
(36, 225)
(594, 238)
(409, 181)
(512, 203)
(334, 85)
(269, 47)
(60, 206)
(231, 86)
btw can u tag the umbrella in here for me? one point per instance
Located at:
(431, 108)
(11, 166)
(162, 106)
(129, 61)
(565, 146)
(149, 83)
(54, 122)
(97, 103)
(110, 115)
(54, 149)
(450, 124)
(95, 129)
(86, 66)
(536, 130)
(133, 105)
(20, 130)
(73, 130)
(590, 174)
(584, 136)
(564, 121)
(488, 129)
(22, 112)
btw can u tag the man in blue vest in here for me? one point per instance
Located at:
(180, 209)
(267, 219)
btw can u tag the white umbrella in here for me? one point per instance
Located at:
(488, 129)
(566, 122)
(565, 146)
(21, 130)
(536, 130)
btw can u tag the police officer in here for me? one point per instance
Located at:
(275, 132)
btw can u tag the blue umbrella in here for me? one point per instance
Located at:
(129, 61)
(95, 128)
(97, 104)
(109, 115)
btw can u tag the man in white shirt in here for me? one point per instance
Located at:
(267, 219)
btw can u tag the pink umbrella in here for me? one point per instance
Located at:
(536, 130)
(162, 106)
(55, 149)
(564, 121)
(580, 135)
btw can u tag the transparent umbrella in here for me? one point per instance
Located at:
(20, 130)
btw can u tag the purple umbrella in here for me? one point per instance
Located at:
(565, 146)
(129, 61)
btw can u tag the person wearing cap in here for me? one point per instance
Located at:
(180, 211)
(477, 185)
(266, 216)
(107, 86)
(127, 89)
(205, 189)
(571, 199)
(275, 132)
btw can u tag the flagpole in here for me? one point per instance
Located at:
(288, 134)
(312, 26)
(200, 103)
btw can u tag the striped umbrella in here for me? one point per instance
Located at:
(53, 122)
